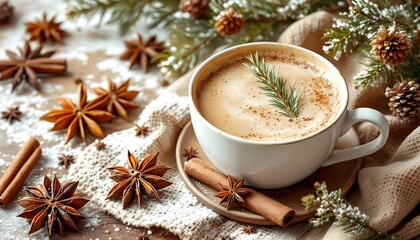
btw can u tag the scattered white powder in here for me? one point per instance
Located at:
(4, 162)
(92, 217)
(77, 55)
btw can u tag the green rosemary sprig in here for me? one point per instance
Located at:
(287, 100)
(332, 204)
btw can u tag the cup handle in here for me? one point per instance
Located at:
(351, 118)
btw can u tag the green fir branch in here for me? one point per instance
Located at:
(182, 57)
(187, 46)
(274, 86)
(124, 12)
(356, 29)
(161, 15)
(264, 21)
(375, 73)
(331, 204)
(339, 41)
(89, 9)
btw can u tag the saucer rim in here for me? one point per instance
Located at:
(236, 214)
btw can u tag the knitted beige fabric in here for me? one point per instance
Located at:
(389, 181)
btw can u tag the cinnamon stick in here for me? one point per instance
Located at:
(20, 178)
(48, 65)
(49, 68)
(24, 153)
(255, 201)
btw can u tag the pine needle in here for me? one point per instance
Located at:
(274, 86)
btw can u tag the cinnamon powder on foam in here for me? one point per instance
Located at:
(230, 99)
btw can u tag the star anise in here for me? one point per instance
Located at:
(118, 99)
(140, 52)
(66, 160)
(45, 30)
(53, 205)
(77, 117)
(11, 114)
(233, 193)
(29, 63)
(189, 152)
(145, 177)
(142, 130)
(100, 145)
(249, 229)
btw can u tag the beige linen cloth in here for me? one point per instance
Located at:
(388, 184)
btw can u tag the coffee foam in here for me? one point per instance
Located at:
(229, 97)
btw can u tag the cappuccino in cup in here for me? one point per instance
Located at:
(230, 98)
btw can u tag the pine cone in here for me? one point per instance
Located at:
(404, 100)
(229, 22)
(390, 47)
(6, 12)
(196, 8)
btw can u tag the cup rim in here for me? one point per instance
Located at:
(193, 79)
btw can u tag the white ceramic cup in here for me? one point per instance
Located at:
(271, 165)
